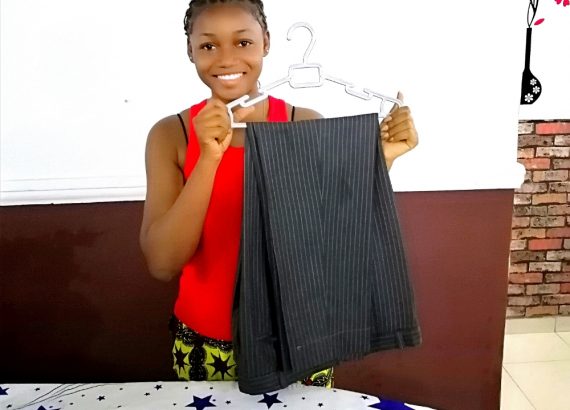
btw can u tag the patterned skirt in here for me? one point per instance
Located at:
(200, 358)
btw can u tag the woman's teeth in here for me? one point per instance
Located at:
(229, 77)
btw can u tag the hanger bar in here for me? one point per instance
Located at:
(349, 88)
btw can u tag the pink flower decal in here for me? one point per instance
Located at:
(539, 21)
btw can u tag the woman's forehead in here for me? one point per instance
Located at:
(225, 18)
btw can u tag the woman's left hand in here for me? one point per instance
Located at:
(398, 133)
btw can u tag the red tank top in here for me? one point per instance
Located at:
(206, 291)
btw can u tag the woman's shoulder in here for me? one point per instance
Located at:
(167, 135)
(170, 125)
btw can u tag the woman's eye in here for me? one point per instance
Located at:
(207, 47)
(244, 43)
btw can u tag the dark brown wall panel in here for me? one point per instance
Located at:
(77, 303)
(458, 249)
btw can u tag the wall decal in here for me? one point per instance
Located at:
(531, 87)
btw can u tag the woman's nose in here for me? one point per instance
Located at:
(227, 57)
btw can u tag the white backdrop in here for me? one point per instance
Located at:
(83, 82)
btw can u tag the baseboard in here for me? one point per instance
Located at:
(545, 324)
(72, 190)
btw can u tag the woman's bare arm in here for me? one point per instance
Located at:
(174, 212)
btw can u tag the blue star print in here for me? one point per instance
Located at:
(201, 403)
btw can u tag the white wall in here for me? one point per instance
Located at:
(82, 83)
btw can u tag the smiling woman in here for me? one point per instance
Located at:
(82, 86)
(194, 201)
(227, 44)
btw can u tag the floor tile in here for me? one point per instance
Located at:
(512, 398)
(530, 325)
(545, 384)
(565, 336)
(563, 324)
(534, 347)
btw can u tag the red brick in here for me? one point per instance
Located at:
(518, 268)
(523, 199)
(558, 233)
(544, 289)
(558, 255)
(547, 221)
(559, 210)
(528, 233)
(545, 266)
(560, 152)
(562, 140)
(518, 245)
(538, 176)
(553, 128)
(535, 141)
(557, 277)
(526, 128)
(532, 188)
(561, 163)
(536, 163)
(564, 288)
(525, 278)
(516, 290)
(526, 256)
(559, 187)
(517, 311)
(544, 244)
(565, 266)
(525, 153)
(541, 311)
(525, 301)
(549, 199)
(555, 299)
(521, 222)
(566, 243)
(564, 310)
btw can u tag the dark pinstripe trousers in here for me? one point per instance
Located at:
(322, 275)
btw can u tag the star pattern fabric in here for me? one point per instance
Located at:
(221, 366)
(191, 395)
(390, 405)
(270, 399)
(201, 403)
(179, 360)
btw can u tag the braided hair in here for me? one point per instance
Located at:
(196, 6)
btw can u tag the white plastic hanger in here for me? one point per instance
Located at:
(365, 94)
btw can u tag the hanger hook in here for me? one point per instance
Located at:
(313, 39)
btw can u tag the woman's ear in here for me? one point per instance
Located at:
(266, 43)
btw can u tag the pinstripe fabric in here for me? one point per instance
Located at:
(323, 276)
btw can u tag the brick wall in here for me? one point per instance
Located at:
(539, 274)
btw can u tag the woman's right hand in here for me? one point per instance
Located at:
(213, 130)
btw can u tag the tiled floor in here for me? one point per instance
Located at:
(536, 371)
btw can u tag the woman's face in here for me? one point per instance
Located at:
(227, 45)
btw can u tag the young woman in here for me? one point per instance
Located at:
(194, 160)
